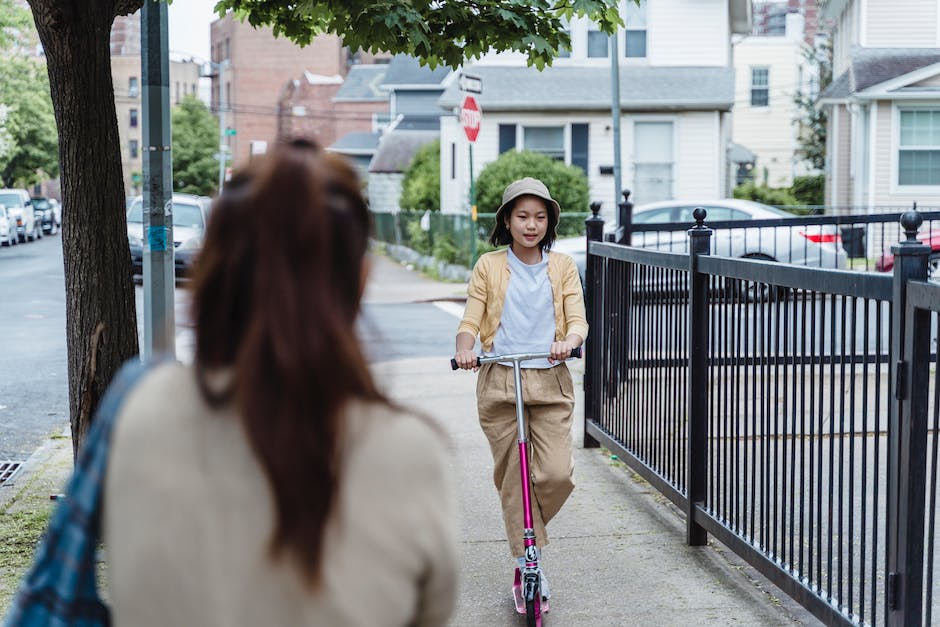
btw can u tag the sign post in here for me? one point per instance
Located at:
(470, 119)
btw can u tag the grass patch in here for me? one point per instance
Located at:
(21, 531)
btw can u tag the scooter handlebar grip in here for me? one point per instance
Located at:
(454, 366)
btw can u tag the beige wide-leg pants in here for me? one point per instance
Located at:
(548, 394)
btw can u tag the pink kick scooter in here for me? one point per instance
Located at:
(527, 583)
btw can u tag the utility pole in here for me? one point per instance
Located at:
(615, 121)
(159, 276)
(223, 147)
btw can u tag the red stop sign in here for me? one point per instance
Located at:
(470, 117)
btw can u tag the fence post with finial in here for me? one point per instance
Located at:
(697, 451)
(594, 293)
(907, 430)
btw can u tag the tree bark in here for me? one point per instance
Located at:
(101, 318)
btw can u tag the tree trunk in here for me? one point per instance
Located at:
(101, 318)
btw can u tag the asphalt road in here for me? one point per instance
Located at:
(33, 379)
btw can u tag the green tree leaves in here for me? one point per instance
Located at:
(438, 33)
(421, 187)
(24, 89)
(195, 142)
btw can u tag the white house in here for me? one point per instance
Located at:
(769, 72)
(884, 105)
(676, 94)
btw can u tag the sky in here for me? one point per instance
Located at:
(189, 26)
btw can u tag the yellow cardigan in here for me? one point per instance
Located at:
(487, 292)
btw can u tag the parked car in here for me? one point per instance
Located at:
(48, 215)
(20, 205)
(190, 214)
(815, 246)
(8, 235)
(885, 263)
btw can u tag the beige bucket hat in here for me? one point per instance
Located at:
(522, 187)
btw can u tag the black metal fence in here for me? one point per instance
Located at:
(783, 408)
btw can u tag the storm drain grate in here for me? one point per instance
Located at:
(8, 470)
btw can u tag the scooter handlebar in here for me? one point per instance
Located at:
(575, 354)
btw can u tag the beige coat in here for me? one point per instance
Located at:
(188, 519)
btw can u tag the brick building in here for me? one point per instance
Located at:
(326, 108)
(259, 68)
(128, 88)
(770, 18)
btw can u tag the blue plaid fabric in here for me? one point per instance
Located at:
(60, 587)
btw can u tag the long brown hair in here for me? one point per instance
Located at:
(276, 294)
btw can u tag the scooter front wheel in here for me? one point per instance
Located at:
(533, 610)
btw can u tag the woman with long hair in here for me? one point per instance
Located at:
(271, 482)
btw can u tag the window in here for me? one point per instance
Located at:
(193, 92)
(133, 118)
(177, 92)
(597, 44)
(635, 35)
(919, 148)
(654, 216)
(760, 87)
(453, 161)
(548, 140)
(565, 53)
(507, 137)
(227, 49)
(134, 148)
(132, 89)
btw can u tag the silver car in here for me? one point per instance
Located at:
(8, 235)
(816, 245)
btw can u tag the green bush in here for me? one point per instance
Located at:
(418, 238)
(445, 250)
(567, 184)
(421, 187)
(778, 196)
(809, 190)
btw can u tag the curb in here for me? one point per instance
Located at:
(447, 271)
(33, 466)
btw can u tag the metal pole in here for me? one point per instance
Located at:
(615, 117)
(222, 145)
(473, 212)
(697, 452)
(159, 282)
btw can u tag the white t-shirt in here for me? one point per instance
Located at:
(527, 324)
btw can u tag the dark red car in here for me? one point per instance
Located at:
(932, 238)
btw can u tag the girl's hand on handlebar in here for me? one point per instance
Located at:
(466, 360)
(560, 351)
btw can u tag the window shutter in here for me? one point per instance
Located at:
(579, 146)
(507, 137)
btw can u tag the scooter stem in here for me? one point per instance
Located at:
(523, 456)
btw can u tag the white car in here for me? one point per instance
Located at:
(20, 208)
(817, 246)
(190, 214)
(8, 235)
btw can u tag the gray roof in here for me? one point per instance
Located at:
(513, 88)
(398, 148)
(362, 84)
(357, 142)
(872, 66)
(406, 70)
